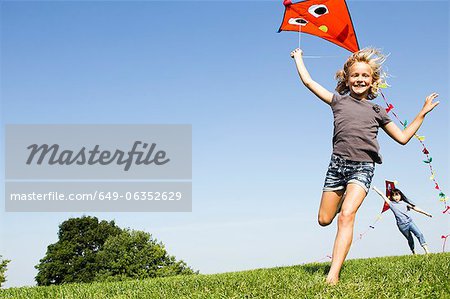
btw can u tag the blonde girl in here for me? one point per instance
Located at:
(355, 145)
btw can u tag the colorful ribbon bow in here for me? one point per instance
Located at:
(389, 108)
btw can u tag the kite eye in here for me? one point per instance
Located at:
(318, 10)
(297, 21)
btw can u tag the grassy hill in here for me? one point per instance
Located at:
(420, 276)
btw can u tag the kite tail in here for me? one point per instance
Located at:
(371, 227)
(445, 240)
(359, 237)
(442, 197)
(325, 258)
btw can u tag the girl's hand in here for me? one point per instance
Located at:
(429, 105)
(297, 53)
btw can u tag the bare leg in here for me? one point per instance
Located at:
(353, 199)
(329, 205)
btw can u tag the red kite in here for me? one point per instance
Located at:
(328, 19)
(389, 187)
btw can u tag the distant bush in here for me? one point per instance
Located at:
(3, 268)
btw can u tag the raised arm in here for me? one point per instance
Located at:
(404, 136)
(312, 85)
(417, 209)
(381, 194)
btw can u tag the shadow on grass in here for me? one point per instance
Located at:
(316, 268)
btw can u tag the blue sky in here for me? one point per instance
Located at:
(261, 141)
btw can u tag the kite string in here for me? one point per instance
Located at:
(299, 36)
(309, 56)
(312, 56)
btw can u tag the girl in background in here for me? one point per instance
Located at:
(400, 206)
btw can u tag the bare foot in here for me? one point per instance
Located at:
(332, 281)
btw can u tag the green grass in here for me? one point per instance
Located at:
(420, 276)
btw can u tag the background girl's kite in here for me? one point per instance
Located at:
(328, 19)
(389, 187)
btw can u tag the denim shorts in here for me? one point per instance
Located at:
(342, 172)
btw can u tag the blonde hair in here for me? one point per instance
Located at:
(374, 58)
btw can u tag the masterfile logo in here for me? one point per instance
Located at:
(53, 155)
(98, 152)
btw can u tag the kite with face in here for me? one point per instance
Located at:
(328, 19)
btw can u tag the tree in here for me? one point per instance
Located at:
(134, 254)
(3, 264)
(89, 250)
(73, 257)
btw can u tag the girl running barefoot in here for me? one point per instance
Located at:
(400, 206)
(355, 146)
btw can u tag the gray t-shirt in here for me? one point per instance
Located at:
(356, 124)
(401, 212)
